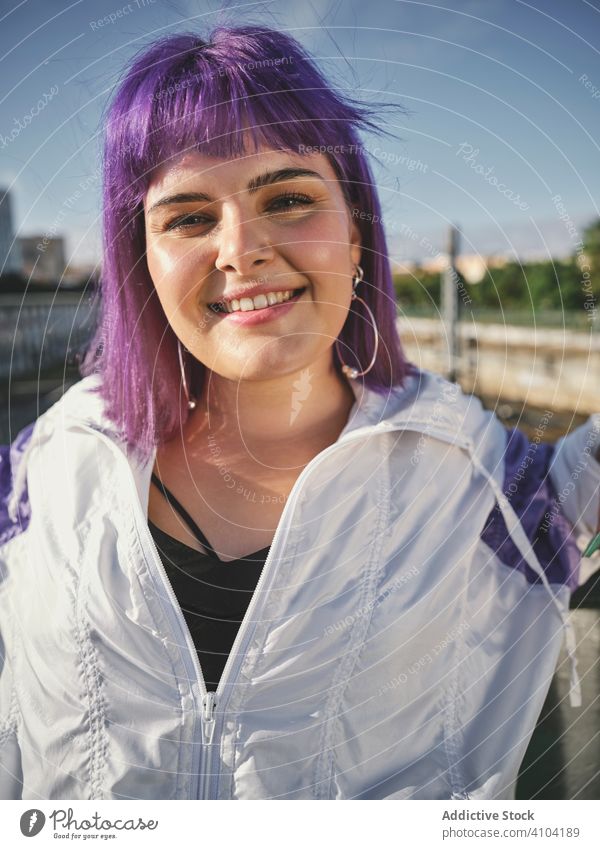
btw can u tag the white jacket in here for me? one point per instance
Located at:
(400, 643)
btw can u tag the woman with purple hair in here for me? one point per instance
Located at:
(254, 553)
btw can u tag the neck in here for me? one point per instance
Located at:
(295, 413)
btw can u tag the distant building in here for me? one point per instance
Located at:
(10, 254)
(43, 258)
(84, 273)
(474, 267)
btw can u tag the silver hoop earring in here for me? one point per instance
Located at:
(348, 370)
(191, 401)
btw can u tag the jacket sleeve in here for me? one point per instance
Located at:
(11, 778)
(553, 489)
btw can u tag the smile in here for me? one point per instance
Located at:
(258, 302)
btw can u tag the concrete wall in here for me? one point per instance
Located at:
(545, 367)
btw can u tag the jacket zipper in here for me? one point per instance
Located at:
(209, 702)
(205, 697)
(191, 661)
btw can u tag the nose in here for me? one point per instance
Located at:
(243, 246)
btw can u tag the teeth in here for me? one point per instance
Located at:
(259, 302)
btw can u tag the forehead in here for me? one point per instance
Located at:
(228, 175)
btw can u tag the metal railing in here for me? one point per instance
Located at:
(40, 331)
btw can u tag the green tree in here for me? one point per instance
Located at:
(419, 290)
(591, 244)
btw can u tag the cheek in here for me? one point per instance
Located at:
(331, 269)
(172, 259)
(323, 238)
(322, 249)
(175, 272)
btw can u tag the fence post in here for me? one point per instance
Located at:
(451, 305)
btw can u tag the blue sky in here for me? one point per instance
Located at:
(506, 91)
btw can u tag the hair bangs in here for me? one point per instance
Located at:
(225, 108)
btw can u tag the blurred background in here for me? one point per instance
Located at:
(489, 187)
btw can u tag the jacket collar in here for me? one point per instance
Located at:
(420, 404)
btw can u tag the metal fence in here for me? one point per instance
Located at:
(40, 332)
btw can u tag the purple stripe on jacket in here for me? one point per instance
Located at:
(531, 493)
(10, 457)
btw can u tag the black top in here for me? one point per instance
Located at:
(213, 595)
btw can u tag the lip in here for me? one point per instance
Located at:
(260, 316)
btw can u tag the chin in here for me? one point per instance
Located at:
(270, 359)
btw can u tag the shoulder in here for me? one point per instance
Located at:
(522, 467)
(13, 516)
(81, 403)
(435, 405)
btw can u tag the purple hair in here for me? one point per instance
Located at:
(185, 93)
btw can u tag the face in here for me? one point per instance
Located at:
(252, 227)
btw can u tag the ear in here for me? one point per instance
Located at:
(355, 243)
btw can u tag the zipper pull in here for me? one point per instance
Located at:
(209, 703)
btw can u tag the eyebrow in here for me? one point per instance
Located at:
(256, 183)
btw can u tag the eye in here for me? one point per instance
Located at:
(186, 221)
(290, 201)
(283, 203)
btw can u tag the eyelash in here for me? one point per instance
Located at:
(178, 223)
